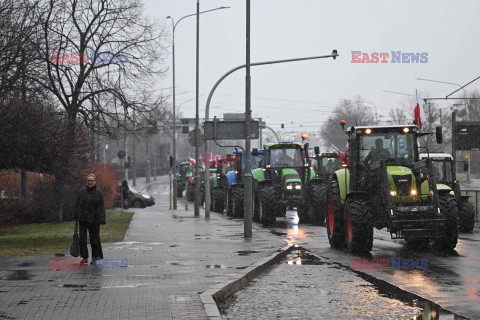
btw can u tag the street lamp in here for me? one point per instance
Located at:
(452, 83)
(174, 26)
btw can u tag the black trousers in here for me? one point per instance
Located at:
(94, 231)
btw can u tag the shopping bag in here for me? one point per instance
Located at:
(75, 247)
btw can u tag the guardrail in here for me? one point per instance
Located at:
(474, 199)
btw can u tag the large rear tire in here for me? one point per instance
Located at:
(466, 216)
(358, 226)
(335, 218)
(319, 208)
(237, 202)
(448, 207)
(218, 200)
(267, 204)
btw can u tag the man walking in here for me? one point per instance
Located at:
(90, 213)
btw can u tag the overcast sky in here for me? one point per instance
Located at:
(304, 93)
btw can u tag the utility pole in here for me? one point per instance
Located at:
(197, 120)
(247, 178)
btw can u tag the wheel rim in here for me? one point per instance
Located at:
(349, 225)
(330, 214)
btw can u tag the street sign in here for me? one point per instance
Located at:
(229, 130)
(196, 134)
(467, 136)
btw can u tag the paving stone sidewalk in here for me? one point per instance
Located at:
(172, 258)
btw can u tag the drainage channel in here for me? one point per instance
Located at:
(304, 286)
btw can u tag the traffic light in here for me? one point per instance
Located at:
(304, 136)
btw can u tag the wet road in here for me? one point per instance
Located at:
(449, 280)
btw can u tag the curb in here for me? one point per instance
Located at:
(223, 290)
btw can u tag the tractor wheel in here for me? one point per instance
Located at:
(190, 192)
(319, 207)
(267, 204)
(237, 202)
(358, 226)
(418, 244)
(466, 216)
(302, 213)
(448, 207)
(218, 200)
(335, 218)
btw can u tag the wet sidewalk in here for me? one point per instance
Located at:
(172, 259)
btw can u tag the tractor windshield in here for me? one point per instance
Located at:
(285, 157)
(397, 146)
(443, 171)
(255, 162)
(330, 164)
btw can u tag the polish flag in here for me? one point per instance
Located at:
(341, 155)
(192, 161)
(419, 113)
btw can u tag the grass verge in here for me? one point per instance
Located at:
(47, 238)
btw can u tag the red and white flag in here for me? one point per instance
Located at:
(419, 113)
(192, 161)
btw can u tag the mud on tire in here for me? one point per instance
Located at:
(448, 207)
(335, 217)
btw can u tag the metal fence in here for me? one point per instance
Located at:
(474, 199)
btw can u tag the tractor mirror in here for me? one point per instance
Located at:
(465, 166)
(305, 147)
(438, 134)
(254, 152)
(317, 150)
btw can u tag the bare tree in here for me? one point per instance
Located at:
(354, 112)
(100, 58)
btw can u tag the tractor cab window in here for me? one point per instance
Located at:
(395, 146)
(331, 164)
(285, 157)
(443, 171)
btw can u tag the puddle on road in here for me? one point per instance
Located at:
(25, 264)
(216, 266)
(278, 233)
(245, 252)
(18, 275)
(429, 309)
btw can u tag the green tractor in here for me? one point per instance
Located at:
(325, 165)
(184, 172)
(385, 184)
(283, 181)
(444, 169)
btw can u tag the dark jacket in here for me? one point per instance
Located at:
(90, 206)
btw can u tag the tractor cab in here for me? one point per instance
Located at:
(327, 164)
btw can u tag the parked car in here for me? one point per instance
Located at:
(134, 199)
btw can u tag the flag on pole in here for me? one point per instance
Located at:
(192, 161)
(419, 113)
(341, 155)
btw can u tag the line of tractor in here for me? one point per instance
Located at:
(383, 180)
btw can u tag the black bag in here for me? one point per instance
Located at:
(75, 247)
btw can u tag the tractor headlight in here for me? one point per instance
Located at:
(406, 130)
(289, 187)
(413, 192)
(298, 187)
(368, 131)
(145, 196)
(393, 193)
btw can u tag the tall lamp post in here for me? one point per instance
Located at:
(174, 26)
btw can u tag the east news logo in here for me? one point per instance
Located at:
(389, 57)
